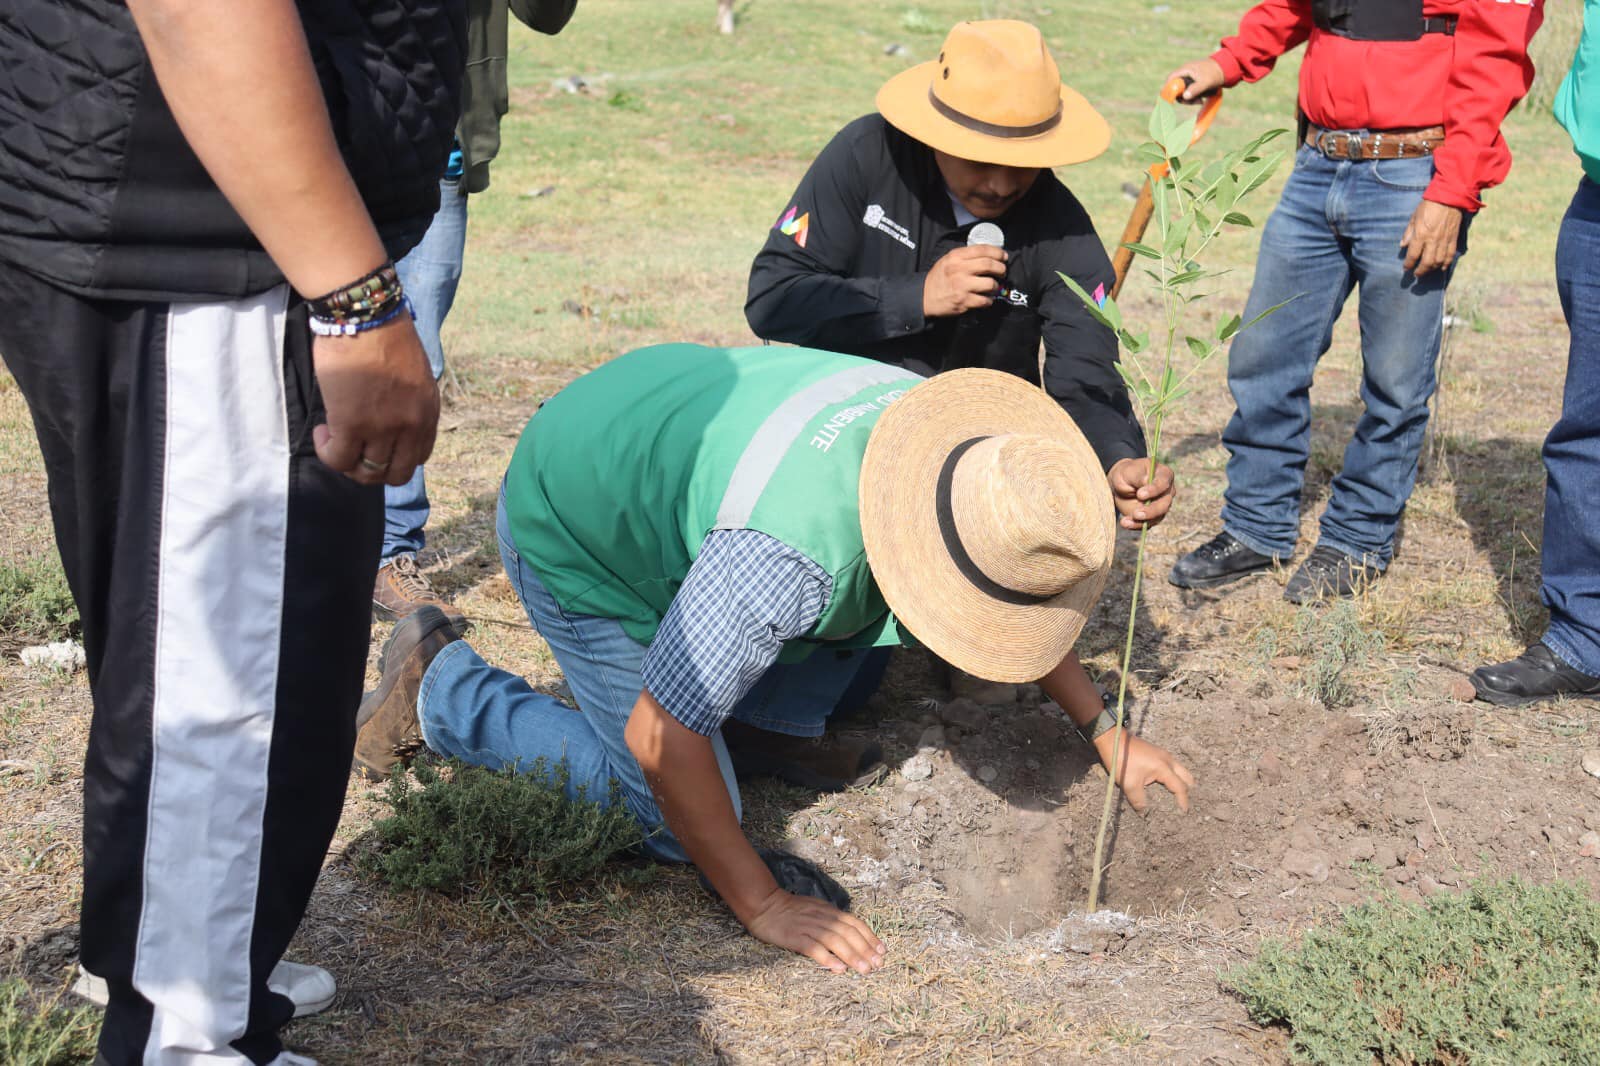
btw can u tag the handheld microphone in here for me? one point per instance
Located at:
(987, 233)
(965, 335)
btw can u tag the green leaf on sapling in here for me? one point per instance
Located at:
(1141, 249)
(1162, 118)
(1227, 328)
(1150, 153)
(1198, 347)
(1177, 141)
(1105, 312)
(1236, 218)
(1135, 343)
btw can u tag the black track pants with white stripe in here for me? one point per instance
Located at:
(224, 577)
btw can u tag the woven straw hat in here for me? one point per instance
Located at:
(987, 522)
(995, 95)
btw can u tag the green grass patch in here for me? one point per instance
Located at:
(463, 830)
(1330, 640)
(1502, 973)
(35, 602)
(34, 1033)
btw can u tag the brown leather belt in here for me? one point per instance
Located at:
(1375, 144)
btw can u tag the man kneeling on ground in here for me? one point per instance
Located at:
(704, 534)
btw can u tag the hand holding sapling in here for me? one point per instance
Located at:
(1142, 494)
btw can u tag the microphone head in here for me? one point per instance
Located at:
(986, 233)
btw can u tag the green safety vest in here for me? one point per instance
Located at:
(619, 477)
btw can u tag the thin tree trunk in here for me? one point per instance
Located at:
(725, 16)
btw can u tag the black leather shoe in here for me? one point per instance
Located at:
(1329, 573)
(1221, 559)
(1534, 675)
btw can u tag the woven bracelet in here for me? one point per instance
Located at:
(369, 297)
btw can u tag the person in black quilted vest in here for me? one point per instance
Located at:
(199, 209)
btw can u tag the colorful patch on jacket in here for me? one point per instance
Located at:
(1100, 295)
(798, 228)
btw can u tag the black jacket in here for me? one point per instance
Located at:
(843, 269)
(101, 195)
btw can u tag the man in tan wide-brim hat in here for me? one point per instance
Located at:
(882, 251)
(709, 536)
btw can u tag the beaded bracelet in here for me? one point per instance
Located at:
(327, 327)
(369, 297)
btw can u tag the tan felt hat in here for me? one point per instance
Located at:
(987, 521)
(994, 95)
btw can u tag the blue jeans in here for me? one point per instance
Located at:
(489, 717)
(1571, 555)
(429, 273)
(1338, 226)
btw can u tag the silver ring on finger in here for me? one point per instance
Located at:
(376, 468)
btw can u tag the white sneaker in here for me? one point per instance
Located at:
(311, 988)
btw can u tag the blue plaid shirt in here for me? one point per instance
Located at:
(744, 596)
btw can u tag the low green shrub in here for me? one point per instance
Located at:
(44, 1034)
(465, 829)
(35, 603)
(1501, 973)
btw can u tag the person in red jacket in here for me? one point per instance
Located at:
(1401, 103)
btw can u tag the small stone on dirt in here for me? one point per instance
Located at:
(1385, 857)
(917, 768)
(965, 714)
(1310, 865)
(932, 738)
(987, 774)
(1100, 933)
(1424, 840)
(1270, 768)
(1362, 849)
(1589, 845)
(1462, 691)
(1591, 763)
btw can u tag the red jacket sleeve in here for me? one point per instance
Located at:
(1266, 32)
(1490, 73)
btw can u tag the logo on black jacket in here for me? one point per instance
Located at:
(876, 219)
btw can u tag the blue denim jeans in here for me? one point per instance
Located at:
(429, 273)
(1337, 227)
(490, 717)
(1571, 554)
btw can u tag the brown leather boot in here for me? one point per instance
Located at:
(402, 588)
(388, 732)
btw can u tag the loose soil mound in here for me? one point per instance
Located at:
(1004, 824)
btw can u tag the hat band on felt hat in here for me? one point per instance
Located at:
(977, 125)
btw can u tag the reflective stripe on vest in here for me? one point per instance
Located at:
(777, 434)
